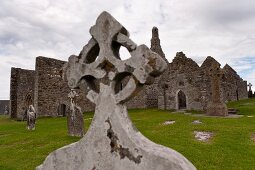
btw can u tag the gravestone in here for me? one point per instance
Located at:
(250, 91)
(112, 142)
(75, 122)
(215, 106)
(31, 117)
(6, 110)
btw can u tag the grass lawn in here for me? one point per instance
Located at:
(231, 147)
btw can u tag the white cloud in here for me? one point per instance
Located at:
(58, 28)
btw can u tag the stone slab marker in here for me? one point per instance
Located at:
(112, 142)
(215, 106)
(75, 122)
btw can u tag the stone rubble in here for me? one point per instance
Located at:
(203, 136)
(169, 122)
(196, 122)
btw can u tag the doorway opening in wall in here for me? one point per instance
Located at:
(237, 95)
(181, 100)
(28, 102)
(62, 110)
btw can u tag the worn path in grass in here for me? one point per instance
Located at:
(231, 147)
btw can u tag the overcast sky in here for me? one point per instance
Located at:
(224, 29)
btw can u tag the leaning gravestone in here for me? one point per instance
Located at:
(112, 142)
(215, 106)
(75, 122)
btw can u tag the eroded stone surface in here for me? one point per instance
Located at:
(203, 136)
(75, 122)
(216, 107)
(196, 122)
(112, 142)
(169, 122)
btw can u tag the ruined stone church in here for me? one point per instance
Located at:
(184, 85)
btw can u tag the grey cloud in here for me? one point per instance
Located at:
(59, 28)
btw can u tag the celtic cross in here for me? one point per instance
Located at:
(112, 142)
(215, 74)
(215, 107)
(249, 85)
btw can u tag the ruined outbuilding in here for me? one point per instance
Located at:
(4, 106)
(184, 85)
(44, 88)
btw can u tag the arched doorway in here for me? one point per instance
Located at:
(181, 99)
(28, 100)
(62, 110)
(237, 95)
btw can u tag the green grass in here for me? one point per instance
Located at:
(245, 107)
(231, 148)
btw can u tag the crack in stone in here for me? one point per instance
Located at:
(115, 147)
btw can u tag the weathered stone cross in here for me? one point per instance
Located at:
(112, 142)
(215, 106)
(215, 74)
(249, 85)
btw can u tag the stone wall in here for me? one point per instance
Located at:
(3, 105)
(21, 91)
(179, 78)
(151, 91)
(184, 76)
(148, 97)
(138, 102)
(234, 86)
(46, 89)
(51, 94)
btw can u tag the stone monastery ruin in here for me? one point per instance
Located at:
(184, 85)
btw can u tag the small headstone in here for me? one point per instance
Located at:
(196, 122)
(250, 116)
(6, 110)
(169, 122)
(31, 117)
(203, 136)
(75, 122)
(112, 142)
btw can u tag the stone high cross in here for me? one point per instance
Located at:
(249, 85)
(215, 74)
(215, 106)
(112, 142)
(75, 122)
